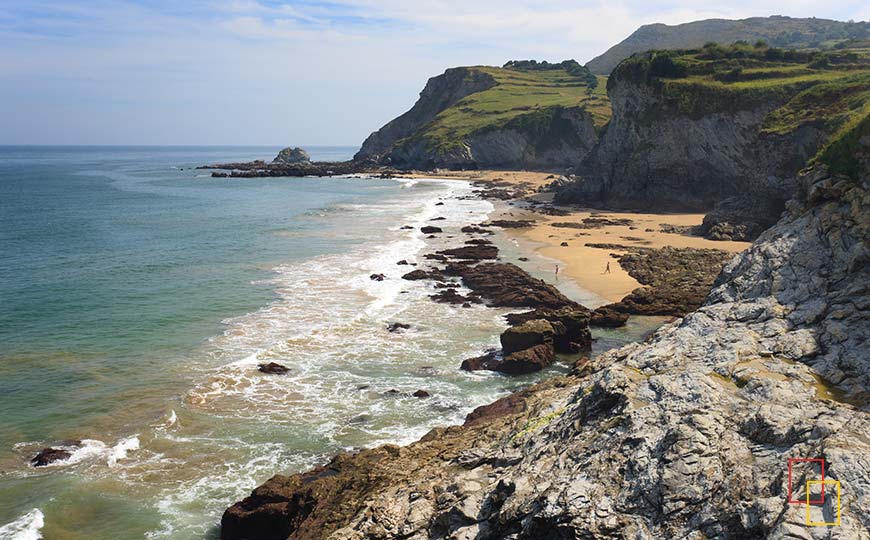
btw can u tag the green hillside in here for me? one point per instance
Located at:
(778, 31)
(525, 92)
(826, 89)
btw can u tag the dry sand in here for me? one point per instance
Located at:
(586, 265)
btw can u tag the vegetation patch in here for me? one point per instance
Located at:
(529, 89)
(826, 89)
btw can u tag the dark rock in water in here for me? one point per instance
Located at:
(607, 317)
(528, 360)
(291, 155)
(481, 362)
(450, 296)
(524, 259)
(473, 229)
(435, 257)
(439, 218)
(377, 277)
(402, 262)
(511, 224)
(396, 326)
(219, 174)
(429, 229)
(474, 252)
(521, 362)
(478, 242)
(360, 419)
(439, 204)
(406, 227)
(273, 368)
(570, 325)
(416, 274)
(526, 335)
(49, 455)
(392, 392)
(421, 394)
(508, 285)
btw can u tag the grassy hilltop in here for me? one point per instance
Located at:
(779, 31)
(525, 96)
(829, 90)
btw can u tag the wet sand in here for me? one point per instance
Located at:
(585, 264)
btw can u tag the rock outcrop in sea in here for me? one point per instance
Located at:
(291, 155)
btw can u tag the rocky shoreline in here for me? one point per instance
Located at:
(685, 435)
(311, 504)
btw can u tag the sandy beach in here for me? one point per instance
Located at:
(578, 260)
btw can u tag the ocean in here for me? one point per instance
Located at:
(138, 295)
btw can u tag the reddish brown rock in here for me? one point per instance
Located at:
(474, 252)
(273, 368)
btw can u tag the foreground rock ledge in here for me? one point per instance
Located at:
(683, 436)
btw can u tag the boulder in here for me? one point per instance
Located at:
(377, 277)
(528, 360)
(607, 317)
(49, 455)
(527, 335)
(291, 155)
(273, 368)
(416, 275)
(421, 394)
(429, 229)
(396, 326)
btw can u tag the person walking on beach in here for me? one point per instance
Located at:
(607, 269)
(557, 271)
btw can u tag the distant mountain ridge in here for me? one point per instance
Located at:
(777, 31)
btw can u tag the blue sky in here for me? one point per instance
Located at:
(287, 72)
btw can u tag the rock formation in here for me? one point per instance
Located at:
(686, 435)
(688, 135)
(291, 155)
(489, 117)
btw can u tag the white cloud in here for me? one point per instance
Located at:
(294, 72)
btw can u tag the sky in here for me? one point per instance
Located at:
(272, 72)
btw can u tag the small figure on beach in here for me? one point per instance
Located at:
(557, 271)
(607, 269)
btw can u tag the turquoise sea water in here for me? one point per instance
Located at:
(137, 296)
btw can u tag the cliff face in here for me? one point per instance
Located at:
(440, 93)
(718, 129)
(557, 137)
(684, 436)
(524, 115)
(653, 155)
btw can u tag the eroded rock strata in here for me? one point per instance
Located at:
(683, 436)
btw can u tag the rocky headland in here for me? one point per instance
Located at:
(718, 129)
(685, 435)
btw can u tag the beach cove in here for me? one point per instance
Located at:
(157, 396)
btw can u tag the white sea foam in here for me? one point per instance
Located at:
(27, 527)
